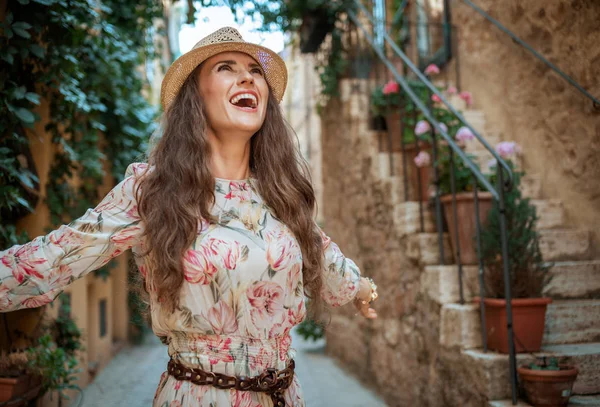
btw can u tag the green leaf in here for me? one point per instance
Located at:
(8, 33)
(37, 50)
(7, 57)
(21, 32)
(33, 97)
(21, 25)
(23, 1)
(24, 115)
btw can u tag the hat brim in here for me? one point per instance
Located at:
(273, 66)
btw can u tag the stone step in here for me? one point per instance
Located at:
(407, 218)
(564, 244)
(572, 321)
(568, 321)
(551, 213)
(574, 401)
(424, 248)
(493, 368)
(397, 189)
(574, 279)
(569, 280)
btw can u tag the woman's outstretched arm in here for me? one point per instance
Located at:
(33, 274)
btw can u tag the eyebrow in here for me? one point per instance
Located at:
(232, 62)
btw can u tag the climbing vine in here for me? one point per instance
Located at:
(80, 56)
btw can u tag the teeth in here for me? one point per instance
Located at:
(241, 96)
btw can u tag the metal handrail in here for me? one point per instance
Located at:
(498, 194)
(522, 43)
(425, 111)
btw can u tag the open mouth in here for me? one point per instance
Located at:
(245, 101)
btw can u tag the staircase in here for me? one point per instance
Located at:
(572, 330)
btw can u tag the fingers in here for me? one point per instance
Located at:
(366, 311)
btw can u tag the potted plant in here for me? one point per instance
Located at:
(461, 230)
(14, 378)
(527, 273)
(548, 384)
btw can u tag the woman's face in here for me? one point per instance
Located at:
(235, 93)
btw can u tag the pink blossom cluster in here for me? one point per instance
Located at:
(422, 159)
(391, 87)
(463, 135)
(508, 149)
(422, 127)
(432, 69)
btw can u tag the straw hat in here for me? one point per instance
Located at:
(223, 40)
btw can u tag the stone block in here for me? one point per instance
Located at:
(460, 326)
(441, 283)
(397, 190)
(572, 321)
(586, 356)
(564, 244)
(551, 213)
(490, 372)
(574, 279)
(347, 341)
(407, 218)
(424, 248)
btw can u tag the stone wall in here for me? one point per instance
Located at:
(397, 354)
(525, 101)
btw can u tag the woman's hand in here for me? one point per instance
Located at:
(363, 300)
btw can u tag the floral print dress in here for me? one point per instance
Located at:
(241, 296)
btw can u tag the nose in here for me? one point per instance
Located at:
(245, 78)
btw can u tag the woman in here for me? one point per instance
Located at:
(220, 222)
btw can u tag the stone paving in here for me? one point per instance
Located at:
(131, 378)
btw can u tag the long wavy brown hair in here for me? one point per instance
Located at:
(179, 191)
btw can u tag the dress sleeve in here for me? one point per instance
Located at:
(341, 275)
(33, 274)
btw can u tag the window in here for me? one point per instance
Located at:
(103, 324)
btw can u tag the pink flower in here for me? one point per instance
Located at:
(282, 249)
(422, 127)
(5, 301)
(464, 134)
(217, 350)
(443, 127)
(266, 300)
(452, 90)
(222, 319)
(198, 266)
(176, 403)
(422, 159)
(37, 301)
(260, 361)
(507, 149)
(23, 262)
(239, 190)
(436, 98)
(127, 237)
(241, 399)
(227, 254)
(286, 342)
(391, 87)
(467, 97)
(432, 70)
(65, 237)
(294, 277)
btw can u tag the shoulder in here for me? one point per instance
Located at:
(136, 170)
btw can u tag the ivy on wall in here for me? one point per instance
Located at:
(80, 56)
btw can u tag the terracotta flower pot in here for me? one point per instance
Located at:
(394, 133)
(529, 318)
(11, 387)
(548, 388)
(467, 228)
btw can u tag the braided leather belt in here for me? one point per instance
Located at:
(272, 381)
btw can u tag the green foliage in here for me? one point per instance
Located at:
(310, 330)
(65, 331)
(546, 364)
(463, 176)
(528, 273)
(82, 59)
(57, 369)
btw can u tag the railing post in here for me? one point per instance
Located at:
(481, 265)
(456, 234)
(439, 225)
(403, 146)
(507, 287)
